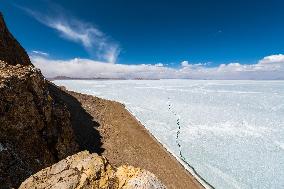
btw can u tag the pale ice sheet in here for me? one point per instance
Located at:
(232, 132)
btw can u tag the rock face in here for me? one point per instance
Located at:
(10, 50)
(85, 170)
(35, 129)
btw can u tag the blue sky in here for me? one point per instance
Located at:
(173, 34)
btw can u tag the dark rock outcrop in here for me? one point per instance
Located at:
(10, 50)
(35, 129)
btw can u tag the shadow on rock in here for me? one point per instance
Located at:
(83, 124)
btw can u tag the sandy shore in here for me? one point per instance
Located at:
(125, 141)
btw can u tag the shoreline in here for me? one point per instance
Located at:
(126, 140)
(186, 165)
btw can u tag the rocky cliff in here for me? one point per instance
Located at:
(37, 130)
(10, 50)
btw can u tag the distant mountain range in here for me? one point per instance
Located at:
(94, 78)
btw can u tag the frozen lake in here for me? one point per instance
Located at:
(231, 132)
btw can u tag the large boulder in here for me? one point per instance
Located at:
(85, 170)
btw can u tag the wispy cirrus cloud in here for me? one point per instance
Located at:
(95, 42)
(41, 53)
(270, 67)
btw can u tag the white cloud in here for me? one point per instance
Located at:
(90, 37)
(86, 68)
(159, 64)
(39, 53)
(270, 67)
(184, 63)
(273, 59)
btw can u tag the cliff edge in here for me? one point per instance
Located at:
(10, 49)
(35, 130)
(40, 131)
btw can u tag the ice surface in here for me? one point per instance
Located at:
(231, 132)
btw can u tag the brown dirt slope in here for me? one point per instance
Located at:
(126, 141)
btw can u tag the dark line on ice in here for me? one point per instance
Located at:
(180, 147)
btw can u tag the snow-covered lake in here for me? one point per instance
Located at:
(231, 132)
